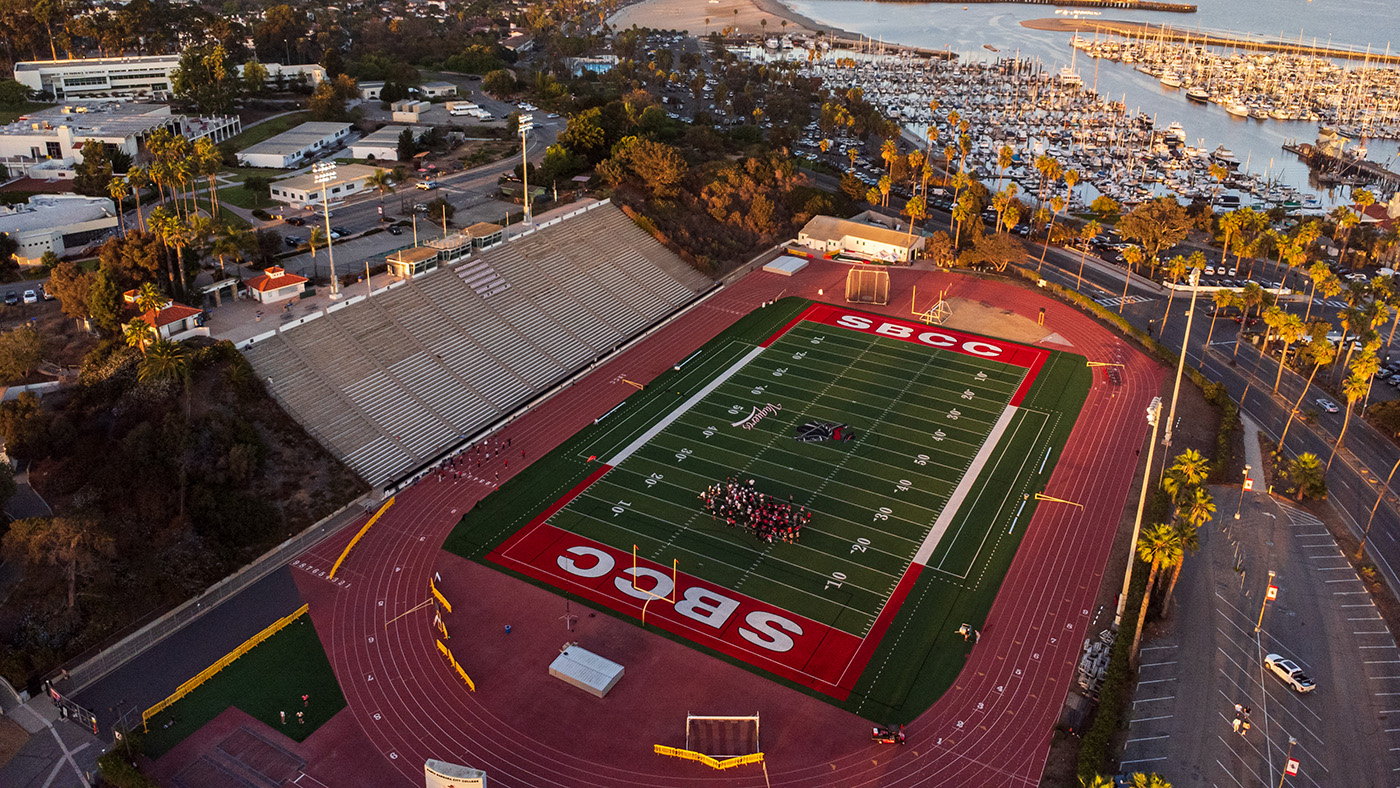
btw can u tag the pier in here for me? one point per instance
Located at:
(1339, 171)
(1127, 5)
(1198, 38)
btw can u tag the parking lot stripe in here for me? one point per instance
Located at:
(1142, 760)
(1155, 648)
(1227, 772)
(1389, 645)
(1348, 593)
(1372, 632)
(1367, 618)
(1344, 580)
(1157, 664)
(1156, 681)
(1368, 604)
(1383, 662)
(1149, 700)
(1159, 717)
(1147, 738)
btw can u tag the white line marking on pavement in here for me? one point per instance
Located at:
(1146, 738)
(1161, 717)
(1157, 664)
(1149, 700)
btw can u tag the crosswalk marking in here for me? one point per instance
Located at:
(1114, 300)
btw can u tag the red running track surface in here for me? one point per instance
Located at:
(524, 728)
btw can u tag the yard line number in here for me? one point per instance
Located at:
(653, 480)
(837, 578)
(861, 545)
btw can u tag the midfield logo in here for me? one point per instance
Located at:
(814, 431)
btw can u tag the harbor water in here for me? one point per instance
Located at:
(969, 31)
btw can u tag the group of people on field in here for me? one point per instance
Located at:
(738, 504)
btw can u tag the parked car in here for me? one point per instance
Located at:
(395, 230)
(44, 293)
(296, 221)
(421, 207)
(1327, 405)
(12, 298)
(1289, 671)
(340, 230)
(292, 240)
(30, 297)
(1210, 270)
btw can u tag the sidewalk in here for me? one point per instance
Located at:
(59, 754)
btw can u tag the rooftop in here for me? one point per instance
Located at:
(343, 172)
(37, 65)
(415, 254)
(50, 211)
(94, 119)
(299, 138)
(389, 135)
(831, 228)
(274, 278)
(481, 229)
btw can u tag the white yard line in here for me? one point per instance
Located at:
(685, 406)
(950, 509)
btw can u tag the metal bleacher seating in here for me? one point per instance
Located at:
(393, 381)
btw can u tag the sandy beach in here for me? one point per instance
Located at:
(742, 16)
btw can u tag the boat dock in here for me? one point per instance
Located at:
(1199, 38)
(1339, 170)
(1126, 5)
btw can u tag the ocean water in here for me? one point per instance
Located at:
(966, 30)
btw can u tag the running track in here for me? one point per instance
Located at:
(992, 728)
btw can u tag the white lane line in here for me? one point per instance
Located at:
(1160, 717)
(1383, 662)
(1344, 580)
(1150, 700)
(1372, 632)
(1156, 664)
(1142, 760)
(1146, 738)
(1156, 681)
(1155, 648)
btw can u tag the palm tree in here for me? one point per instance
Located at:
(138, 333)
(851, 154)
(1158, 546)
(962, 212)
(317, 238)
(888, 151)
(1224, 299)
(165, 361)
(1353, 388)
(149, 298)
(1134, 256)
(1191, 467)
(1305, 471)
(1251, 295)
(1321, 351)
(138, 178)
(1346, 219)
(231, 241)
(885, 185)
(1087, 234)
(1099, 781)
(1289, 328)
(1057, 204)
(118, 189)
(1319, 273)
(917, 209)
(1203, 507)
(1005, 158)
(1173, 271)
(381, 181)
(205, 160)
(1152, 780)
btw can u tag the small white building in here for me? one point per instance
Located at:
(173, 321)
(293, 146)
(311, 74)
(438, 89)
(369, 91)
(276, 284)
(829, 235)
(146, 75)
(304, 192)
(57, 223)
(381, 145)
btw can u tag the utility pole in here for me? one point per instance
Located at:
(1154, 417)
(1180, 365)
(527, 122)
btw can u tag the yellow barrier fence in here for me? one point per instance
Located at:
(224, 661)
(442, 600)
(700, 757)
(446, 652)
(362, 532)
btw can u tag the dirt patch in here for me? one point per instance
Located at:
(12, 738)
(983, 318)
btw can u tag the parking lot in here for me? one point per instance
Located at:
(1346, 731)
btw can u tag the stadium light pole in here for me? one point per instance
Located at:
(1180, 366)
(1154, 417)
(324, 174)
(527, 122)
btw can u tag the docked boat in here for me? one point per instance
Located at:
(1198, 94)
(1070, 78)
(1171, 79)
(1224, 155)
(1237, 109)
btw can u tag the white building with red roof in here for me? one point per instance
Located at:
(171, 321)
(276, 284)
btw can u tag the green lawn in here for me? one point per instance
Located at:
(269, 679)
(225, 215)
(243, 198)
(266, 130)
(919, 415)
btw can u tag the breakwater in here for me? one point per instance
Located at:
(1127, 5)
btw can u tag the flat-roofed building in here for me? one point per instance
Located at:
(409, 110)
(484, 234)
(145, 75)
(57, 223)
(276, 284)
(447, 250)
(381, 145)
(48, 143)
(293, 146)
(304, 191)
(369, 91)
(438, 89)
(830, 235)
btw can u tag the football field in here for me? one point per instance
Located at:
(915, 452)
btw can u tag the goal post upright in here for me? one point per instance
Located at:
(651, 595)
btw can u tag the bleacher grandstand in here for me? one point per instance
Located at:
(391, 382)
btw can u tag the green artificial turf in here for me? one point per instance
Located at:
(269, 679)
(919, 415)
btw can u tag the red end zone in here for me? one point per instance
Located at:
(793, 647)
